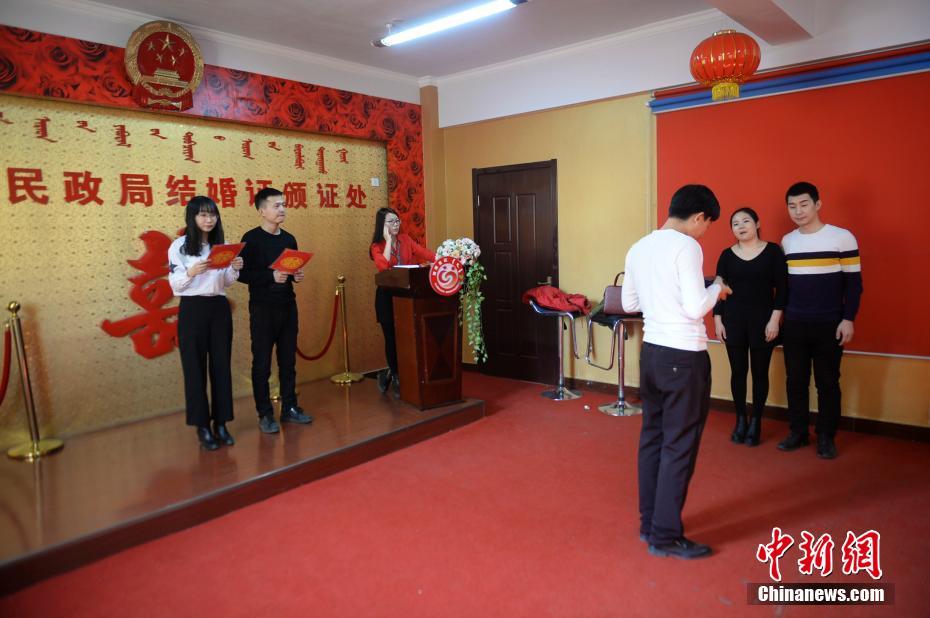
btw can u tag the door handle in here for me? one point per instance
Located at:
(548, 281)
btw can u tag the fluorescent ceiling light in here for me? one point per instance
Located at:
(451, 21)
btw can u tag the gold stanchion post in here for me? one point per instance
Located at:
(346, 377)
(37, 446)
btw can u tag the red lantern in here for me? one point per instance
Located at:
(725, 60)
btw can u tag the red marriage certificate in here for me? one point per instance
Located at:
(291, 260)
(221, 255)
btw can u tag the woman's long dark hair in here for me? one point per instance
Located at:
(382, 214)
(752, 215)
(192, 236)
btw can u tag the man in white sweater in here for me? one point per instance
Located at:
(664, 279)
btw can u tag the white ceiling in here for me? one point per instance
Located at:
(344, 29)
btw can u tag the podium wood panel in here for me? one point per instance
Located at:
(429, 338)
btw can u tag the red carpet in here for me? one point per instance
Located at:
(530, 512)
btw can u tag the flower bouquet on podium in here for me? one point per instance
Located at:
(466, 251)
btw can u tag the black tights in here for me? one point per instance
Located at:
(741, 358)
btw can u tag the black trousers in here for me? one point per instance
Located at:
(384, 312)
(205, 343)
(273, 326)
(806, 344)
(675, 392)
(742, 357)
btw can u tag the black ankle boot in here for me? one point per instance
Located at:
(222, 434)
(739, 432)
(754, 431)
(207, 439)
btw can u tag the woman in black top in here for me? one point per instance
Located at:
(748, 320)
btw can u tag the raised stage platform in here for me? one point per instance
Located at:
(115, 488)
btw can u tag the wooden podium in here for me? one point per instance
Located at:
(429, 338)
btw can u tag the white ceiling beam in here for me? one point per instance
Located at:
(774, 21)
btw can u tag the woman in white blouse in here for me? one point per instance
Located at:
(204, 322)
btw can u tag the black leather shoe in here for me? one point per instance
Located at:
(207, 439)
(826, 448)
(295, 414)
(384, 380)
(753, 432)
(222, 434)
(268, 425)
(739, 432)
(794, 441)
(680, 548)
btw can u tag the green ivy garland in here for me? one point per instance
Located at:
(470, 310)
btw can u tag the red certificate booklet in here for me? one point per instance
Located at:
(221, 255)
(291, 260)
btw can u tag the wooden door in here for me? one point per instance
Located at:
(516, 226)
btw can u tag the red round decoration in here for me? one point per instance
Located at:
(447, 275)
(725, 60)
(164, 64)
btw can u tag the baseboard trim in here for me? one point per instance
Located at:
(859, 425)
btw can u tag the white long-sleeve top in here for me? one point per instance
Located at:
(664, 279)
(211, 282)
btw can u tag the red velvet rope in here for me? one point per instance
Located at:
(332, 331)
(7, 357)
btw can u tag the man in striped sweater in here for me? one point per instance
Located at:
(824, 286)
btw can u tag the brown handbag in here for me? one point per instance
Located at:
(612, 302)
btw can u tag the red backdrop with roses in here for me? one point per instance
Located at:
(38, 64)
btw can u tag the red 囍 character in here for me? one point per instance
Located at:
(155, 331)
(861, 553)
(24, 183)
(816, 554)
(772, 552)
(82, 187)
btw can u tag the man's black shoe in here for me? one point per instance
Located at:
(680, 548)
(268, 425)
(295, 414)
(207, 439)
(384, 380)
(794, 441)
(222, 434)
(826, 449)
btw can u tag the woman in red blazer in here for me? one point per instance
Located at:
(391, 248)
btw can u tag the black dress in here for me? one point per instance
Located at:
(759, 286)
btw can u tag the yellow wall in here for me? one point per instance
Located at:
(605, 190)
(67, 263)
(606, 198)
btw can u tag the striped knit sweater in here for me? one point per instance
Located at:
(824, 276)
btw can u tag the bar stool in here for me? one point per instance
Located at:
(560, 393)
(617, 323)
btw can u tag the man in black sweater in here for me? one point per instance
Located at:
(272, 311)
